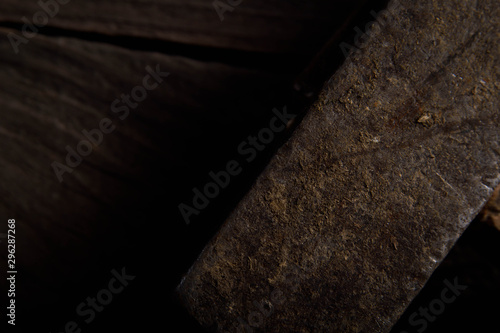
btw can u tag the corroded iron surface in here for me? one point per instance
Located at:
(385, 172)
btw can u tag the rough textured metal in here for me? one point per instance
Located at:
(491, 212)
(354, 213)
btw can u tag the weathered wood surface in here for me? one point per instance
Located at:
(278, 26)
(355, 212)
(72, 85)
(120, 205)
(72, 233)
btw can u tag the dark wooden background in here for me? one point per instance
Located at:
(119, 208)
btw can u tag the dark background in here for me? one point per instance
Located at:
(129, 217)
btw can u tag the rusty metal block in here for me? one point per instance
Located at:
(385, 172)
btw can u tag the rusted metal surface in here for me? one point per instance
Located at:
(355, 212)
(491, 212)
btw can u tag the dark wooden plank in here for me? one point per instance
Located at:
(355, 212)
(278, 26)
(71, 232)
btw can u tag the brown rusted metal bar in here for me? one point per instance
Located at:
(385, 172)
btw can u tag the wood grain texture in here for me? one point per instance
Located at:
(57, 87)
(355, 212)
(122, 201)
(278, 26)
